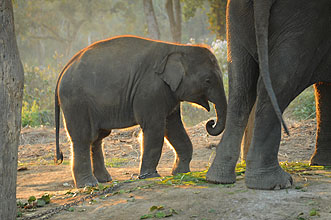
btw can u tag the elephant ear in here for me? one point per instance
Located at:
(171, 70)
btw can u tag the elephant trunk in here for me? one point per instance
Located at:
(220, 105)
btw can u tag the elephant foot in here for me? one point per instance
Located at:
(180, 169)
(103, 177)
(149, 175)
(221, 173)
(269, 179)
(86, 181)
(321, 159)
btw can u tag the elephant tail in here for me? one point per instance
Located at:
(59, 154)
(261, 16)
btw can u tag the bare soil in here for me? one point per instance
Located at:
(309, 198)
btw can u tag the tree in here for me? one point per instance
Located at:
(174, 12)
(153, 27)
(216, 14)
(11, 93)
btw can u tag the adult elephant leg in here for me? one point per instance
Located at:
(153, 138)
(178, 138)
(262, 166)
(322, 154)
(243, 73)
(99, 169)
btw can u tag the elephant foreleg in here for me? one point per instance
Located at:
(322, 154)
(99, 169)
(178, 138)
(242, 94)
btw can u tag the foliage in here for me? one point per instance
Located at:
(216, 17)
(32, 203)
(116, 162)
(191, 178)
(215, 13)
(159, 212)
(313, 212)
(63, 26)
(303, 107)
(48, 34)
(38, 98)
(301, 167)
(190, 8)
(195, 178)
(199, 178)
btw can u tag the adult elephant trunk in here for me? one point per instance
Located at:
(220, 104)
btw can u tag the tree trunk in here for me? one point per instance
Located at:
(174, 12)
(217, 17)
(11, 93)
(153, 27)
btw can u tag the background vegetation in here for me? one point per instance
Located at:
(50, 32)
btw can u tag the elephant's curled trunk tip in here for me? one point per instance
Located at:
(59, 158)
(214, 130)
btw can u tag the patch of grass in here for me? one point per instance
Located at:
(195, 178)
(191, 178)
(159, 212)
(240, 168)
(290, 167)
(314, 212)
(40, 161)
(301, 167)
(116, 162)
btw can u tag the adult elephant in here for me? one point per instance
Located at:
(125, 81)
(277, 48)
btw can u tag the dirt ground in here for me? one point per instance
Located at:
(309, 198)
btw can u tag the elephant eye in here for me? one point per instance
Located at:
(208, 81)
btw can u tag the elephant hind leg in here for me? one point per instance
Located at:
(99, 169)
(243, 76)
(322, 154)
(178, 138)
(79, 128)
(81, 165)
(262, 167)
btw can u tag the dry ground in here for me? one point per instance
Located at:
(39, 175)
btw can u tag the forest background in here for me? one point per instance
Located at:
(50, 32)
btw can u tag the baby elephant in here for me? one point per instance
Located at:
(127, 80)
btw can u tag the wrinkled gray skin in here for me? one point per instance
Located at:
(125, 81)
(273, 58)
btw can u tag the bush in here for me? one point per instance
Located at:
(38, 98)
